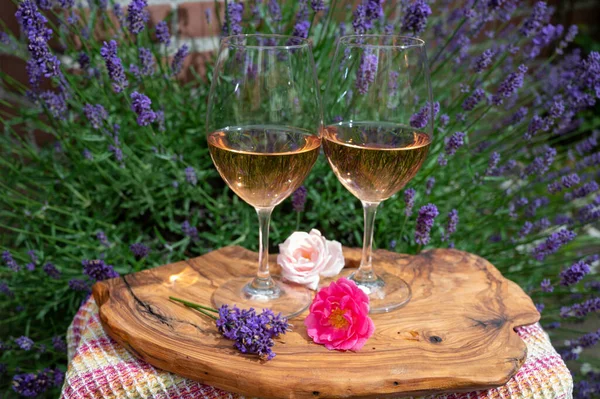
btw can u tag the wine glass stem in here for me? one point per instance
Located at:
(365, 272)
(263, 280)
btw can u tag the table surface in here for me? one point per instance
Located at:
(100, 368)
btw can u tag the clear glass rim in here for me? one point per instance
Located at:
(413, 41)
(229, 41)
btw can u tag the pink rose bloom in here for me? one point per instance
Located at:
(339, 317)
(304, 257)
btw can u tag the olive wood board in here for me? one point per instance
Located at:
(456, 333)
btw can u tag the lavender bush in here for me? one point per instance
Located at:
(127, 182)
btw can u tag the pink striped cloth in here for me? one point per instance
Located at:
(101, 368)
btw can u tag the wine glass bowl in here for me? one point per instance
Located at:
(379, 127)
(264, 125)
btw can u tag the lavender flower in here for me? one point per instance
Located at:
(471, 102)
(5, 289)
(444, 120)
(208, 16)
(137, 16)
(442, 160)
(429, 185)
(415, 17)
(162, 33)
(146, 61)
(30, 385)
(233, 25)
(581, 309)
(87, 154)
(569, 37)
(534, 22)
(425, 220)
(451, 224)
(553, 243)
(492, 169)
(299, 199)
(59, 344)
(274, 10)
(300, 31)
(519, 115)
(366, 73)
(177, 63)
(24, 343)
(95, 114)
(540, 307)
(360, 22)
(33, 23)
(546, 285)
(317, 5)
(510, 85)
(114, 66)
(84, 60)
(586, 145)
(582, 191)
(97, 270)
(540, 164)
(422, 118)
(139, 250)
(190, 175)
(409, 201)
(574, 274)
(140, 104)
(54, 103)
(10, 262)
(51, 271)
(252, 333)
(79, 285)
(453, 143)
(189, 230)
(483, 61)
(101, 236)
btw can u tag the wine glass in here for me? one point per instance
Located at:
(264, 125)
(378, 128)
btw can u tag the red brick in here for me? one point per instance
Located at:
(7, 16)
(197, 62)
(15, 67)
(158, 13)
(10, 108)
(192, 22)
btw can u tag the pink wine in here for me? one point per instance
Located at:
(374, 160)
(263, 165)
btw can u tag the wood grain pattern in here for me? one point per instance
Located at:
(456, 334)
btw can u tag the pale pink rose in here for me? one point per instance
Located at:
(339, 317)
(304, 257)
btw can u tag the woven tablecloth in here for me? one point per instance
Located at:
(101, 368)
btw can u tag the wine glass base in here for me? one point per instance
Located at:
(386, 294)
(288, 299)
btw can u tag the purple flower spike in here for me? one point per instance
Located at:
(139, 250)
(455, 141)
(317, 5)
(536, 20)
(553, 243)
(421, 118)
(189, 230)
(10, 262)
(137, 16)
(114, 66)
(235, 13)
(24, 343)
(425, 220)
(451, 224)
(162, 33)
(574, 274)
(140, 104)
(366, 73)
(190, 176)
(51, 271)
(510, 85)
(429, 185)
(98, 270)
(299, 199)
(95, 114)
(483, 61)
(415, 17)
(471, 102)
(177, 63)
(546, 285)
